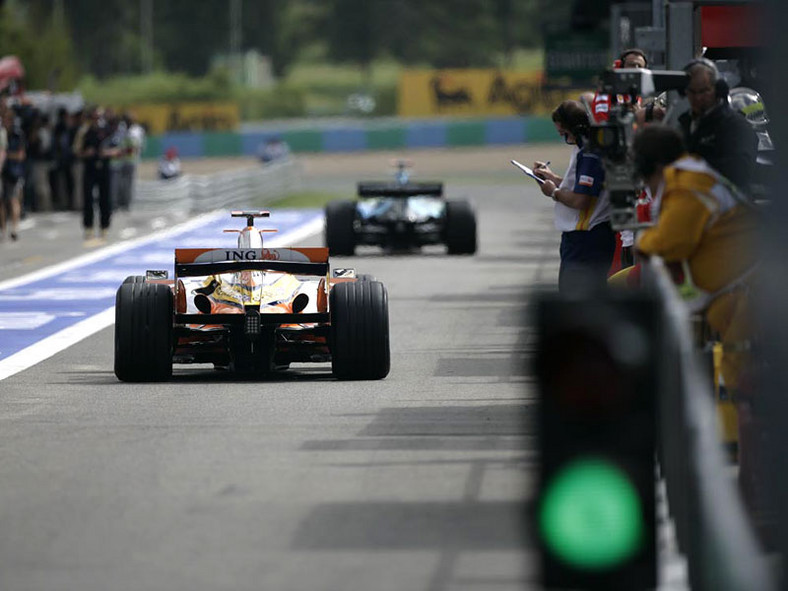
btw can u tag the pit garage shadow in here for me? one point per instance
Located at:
(448, 528)
(463, 525)
(506, 307)
(494, 427)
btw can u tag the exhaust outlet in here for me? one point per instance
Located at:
(300, 302)
(203, 303)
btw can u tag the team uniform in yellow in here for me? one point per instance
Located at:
(709, 228)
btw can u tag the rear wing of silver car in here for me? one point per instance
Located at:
(389, 189)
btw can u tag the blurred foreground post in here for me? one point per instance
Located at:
(772, 308)
(597, 440)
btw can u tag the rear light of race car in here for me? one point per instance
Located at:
(252, 324)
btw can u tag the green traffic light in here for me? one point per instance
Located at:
(590, 515)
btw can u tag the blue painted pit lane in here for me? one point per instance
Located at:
(61, 301)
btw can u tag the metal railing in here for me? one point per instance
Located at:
(192, 194)
(712, 528)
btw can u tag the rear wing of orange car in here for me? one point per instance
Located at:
(196, 262)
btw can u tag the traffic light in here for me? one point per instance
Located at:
(596, 369)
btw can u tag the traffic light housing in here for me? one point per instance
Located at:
(596, 371)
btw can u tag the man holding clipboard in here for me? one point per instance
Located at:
(582, 206)
(528, 171)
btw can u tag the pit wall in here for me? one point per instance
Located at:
(353, 136)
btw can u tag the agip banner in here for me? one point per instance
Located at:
(477, 92)
(165, 118)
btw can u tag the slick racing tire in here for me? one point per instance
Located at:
(460, 228)
(143, 332)
(134, 279)
(359, 337)
(340, 236)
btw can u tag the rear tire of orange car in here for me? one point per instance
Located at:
(359, 338)
(340, 235)
(460, 229)
(143, 332)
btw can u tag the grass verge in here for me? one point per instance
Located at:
(303, 200)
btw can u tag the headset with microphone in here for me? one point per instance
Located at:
(619, 63)
(720, 85)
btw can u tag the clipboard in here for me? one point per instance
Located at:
(527, 171)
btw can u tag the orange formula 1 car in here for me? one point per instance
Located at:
(251, 309)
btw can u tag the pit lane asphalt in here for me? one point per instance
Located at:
(300, 482)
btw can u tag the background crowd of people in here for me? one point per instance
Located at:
(64, 160)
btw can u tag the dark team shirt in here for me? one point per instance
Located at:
(725, 140)
(94, 138)
(590, 176)
(14, 169)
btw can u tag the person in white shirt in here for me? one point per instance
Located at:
(170, 165)
(582, 206)
(133, 144)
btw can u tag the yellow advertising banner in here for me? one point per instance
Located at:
(477, 92)
(162, 118)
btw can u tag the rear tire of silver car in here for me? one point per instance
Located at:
(359, 337)
(460, 229)
(134, 279)
(143, 332)
(340, 235)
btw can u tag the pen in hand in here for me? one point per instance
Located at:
(538, 169)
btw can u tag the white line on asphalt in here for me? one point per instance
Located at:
(67, 337)
(299, 233)
(104, 252)
(55, 343)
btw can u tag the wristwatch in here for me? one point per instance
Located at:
(554, 194)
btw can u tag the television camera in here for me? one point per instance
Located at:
(612, 139)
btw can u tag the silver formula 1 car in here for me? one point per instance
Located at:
(251, 309)
(400, 215)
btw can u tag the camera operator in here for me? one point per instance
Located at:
(714, 131)
(602, 102)
(582, 208)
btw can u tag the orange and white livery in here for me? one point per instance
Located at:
(251, 309)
